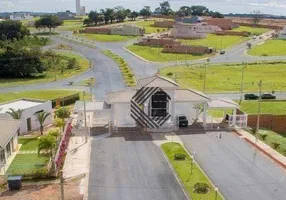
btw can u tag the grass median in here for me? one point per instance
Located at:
(124, 67)
(183, 169)
(272, 47)
(227, 78)
(105, 37)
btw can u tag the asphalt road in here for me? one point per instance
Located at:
(130, 167)
(237, 169)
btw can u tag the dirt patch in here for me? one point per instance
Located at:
(44, 192)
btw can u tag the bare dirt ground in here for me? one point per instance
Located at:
(43, 192)
(278, 22)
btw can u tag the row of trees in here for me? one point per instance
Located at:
(10, 30)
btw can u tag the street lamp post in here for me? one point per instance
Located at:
(216, 191)
(258, 113)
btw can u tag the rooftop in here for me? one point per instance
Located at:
(19, 104)
(223, 103)
(8, 129)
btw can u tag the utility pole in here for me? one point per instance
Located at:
(258, 113)
(85, 120)
(241, 84)
(205, 78)
(62, 185)
(186, 53)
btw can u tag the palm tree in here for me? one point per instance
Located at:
(16, 114)
(41, 117)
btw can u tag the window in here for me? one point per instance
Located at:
(159, 104)
(8, 150)
(2, 155)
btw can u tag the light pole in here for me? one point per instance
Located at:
(241, 84)
(84, 112)
(205, 78)
(216, 191)
(258, 113)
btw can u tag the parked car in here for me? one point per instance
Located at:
(222, 52)
(250, 97)
(268, 96)
(182, 121)
(254, 37)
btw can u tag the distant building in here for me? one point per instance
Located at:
(224, 24)
(126, 29)
(189, 20)
(282, 34)
(65, 15)
(192, 31)
(20, 16)
(80, 10)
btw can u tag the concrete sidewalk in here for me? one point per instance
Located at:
(267, 150)
(77, 158)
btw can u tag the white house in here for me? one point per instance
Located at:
(8, 140)
(21, 16)
(28, 121)
(192, 31)
(282, 34)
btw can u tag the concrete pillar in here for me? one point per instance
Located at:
(234, 117)
(112, 110)
(205, 115)
(197, 112)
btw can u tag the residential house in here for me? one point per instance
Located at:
(8, 140)
(127, 29)
(65, 15)
(154, 40)
(30, 107)
(224, 24)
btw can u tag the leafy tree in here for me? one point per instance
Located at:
(93, 17)
(186, 10)
(72, 64)
(59, 123)
(41, 117)
(49, 21)
(133, 15)
(165, 8)
(145, 12)
(257, 16)
(199, 10)
(120, 13)
(10, 30)
(216, 14)
(88, 22)
(109, 15)
(16, 114)
(62, 113)
(180, 13)
(53, 62)
(48, 143)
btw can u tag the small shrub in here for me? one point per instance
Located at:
(264, 54)
(201, 188)
(276, 144)
(169, 74)
(263, 136)
(179, 156)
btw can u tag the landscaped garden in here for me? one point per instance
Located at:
(149, 28)
(105, 37)
(274, 47)
(193, 179)
(155, 54)
(253, 30)
(217, 41)
(227, 78)
(125, 69)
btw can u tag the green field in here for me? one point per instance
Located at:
(227, 78)
(49, 76)
(155, 54)
(253, 30)
(28, 163)
(183, 170)
(149, 28)
(272, 47)
(72, 25)
(28, 143)
(217, 41)
(37, 94)
(105, 38)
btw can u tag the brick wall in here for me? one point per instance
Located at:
(275, 123)
(197, 50)
(97, 30)
(164, 24)
(237, 33)
(224, 24)
(261, 25)
(159, 42)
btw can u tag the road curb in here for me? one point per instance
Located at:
(262, 150)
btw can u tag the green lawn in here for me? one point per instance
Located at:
(155, 54)
(272, 47)
(28, 163)
(105, 38)
(217, 41)
(149, 28)
(49, 76)
(267, 107)
(72, 25)
(183, 170)
(253, 30)
(36, 94)
(28, 143)
(227, 78)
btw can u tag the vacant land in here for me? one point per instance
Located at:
(183, 169)
(253, 30)
(49, 76)
(105, 38)
(149, 28)
(42, 94)
(227, 78)
(72, 25)
(217, 41)
(155, 54)
(272, 47)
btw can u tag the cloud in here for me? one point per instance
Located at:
(6, 4)
(271, 4)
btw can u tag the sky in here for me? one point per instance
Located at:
(277, 7)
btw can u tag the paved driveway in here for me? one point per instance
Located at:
(236, 168)
(130, 167)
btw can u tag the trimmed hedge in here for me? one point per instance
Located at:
(65, 101)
